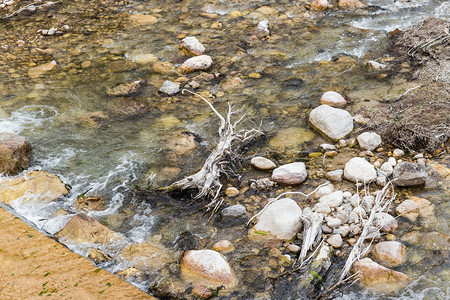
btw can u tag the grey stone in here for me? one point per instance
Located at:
(333, 122)
(398, 153)
(332, 99)
(234, 211)
(191, 44)
(359, 169)
(409, 174)
(333, 222)
(332, 200)
(387, 168)
(322, 208)
(386, 222)
(335, 241)
(335, 175)
(369, 140)
(262, 163)
(293, 173)
(327, 147)
(201, 62)
(170, 88)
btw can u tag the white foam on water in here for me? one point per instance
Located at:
(142, 226)
(27, 117)
(443, 10)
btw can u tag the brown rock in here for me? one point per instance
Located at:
(207, 267)
(42, 69)
(319, 5)
(377, 277)
(350, 4)
(164, 67)
(84, 229)
(233, 83)
(98, 256)
(90, 203)
(32, 186)
(139, 19)
(408, 209)
(127, 89)
(15, 153)
(431, 240)
(93, 119)
(182, 142)
(202, 292)
(389, 254)
(132, 273)
(223, 246)
(146, 256)
(123, 108)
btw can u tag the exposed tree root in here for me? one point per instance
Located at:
(207, 180)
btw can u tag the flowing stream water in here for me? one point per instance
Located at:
(111, 157)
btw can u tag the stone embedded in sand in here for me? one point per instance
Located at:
(358, 169)
(333, 122)
(409, 174)
(42, 69)
(84, 229)
(293, 173)
(333, 99)
(164, 67)
(369, 140)
(223, 246)
(146, 256)
(169, 88)
(197, 63)
(375, 276)
(390, 254)
(15, 153)
(207, 267)
(39, 186)
(192, 46)
(281, 218)
(291, 137)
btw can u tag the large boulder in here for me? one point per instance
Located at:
(282, 219)
(409, 174)
(145, 256)
(207, 267)
(39, 186)
(377, 277)
(333, 122)
(358, 169)
(15, 153)
(293, 173)
(390, 253)
(84, 229)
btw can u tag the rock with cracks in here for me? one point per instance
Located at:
(15, 153)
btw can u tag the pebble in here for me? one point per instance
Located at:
(392, 161)
(333, 199)
(170, 88)
(408, 209)
(223, 246)
(397, 153)
(369, 140)
(387, 168)
(234, 211)
(262, 163)
(231, 191)
(333, 99)
(387, 222)
(327, 147)
(192, 45)
(293, 248)
(324, 190)
(347, 195)
(355, 229)
(196, 63)
(343, 230)
(335, 241)
(322, 208)
(326, 229)
(342, 143)
(333, 222)
(336, 175)
(293, 173)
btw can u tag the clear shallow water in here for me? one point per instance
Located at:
(109, 159)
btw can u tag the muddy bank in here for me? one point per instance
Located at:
(34, 265)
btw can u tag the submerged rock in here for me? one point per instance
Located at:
(39, 186)
(377, 277)
(197, 63)
(409, 174)
(169, 88)
(335, 123)
(369, 140)
(430, 240)
(146, 256)
(291, 137)
(389, 254)
(358, 169)
(182, 142)
(123, 108)
(90, 203)
(207, 267)
(350, 4)
(293, 173)
(192, 46)
(132, 274)
(386, 222)
(15, 153)
(408, 209)
(223, 246)
(127, 89)
(281, 218)
(84, 229)
(42, 69)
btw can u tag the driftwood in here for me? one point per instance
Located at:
(207, 180)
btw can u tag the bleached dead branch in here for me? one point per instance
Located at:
(207, 180)
(312, 230)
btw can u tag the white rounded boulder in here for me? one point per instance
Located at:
(358, 169)
(333, 122)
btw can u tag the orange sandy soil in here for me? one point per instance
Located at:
(33, 266)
